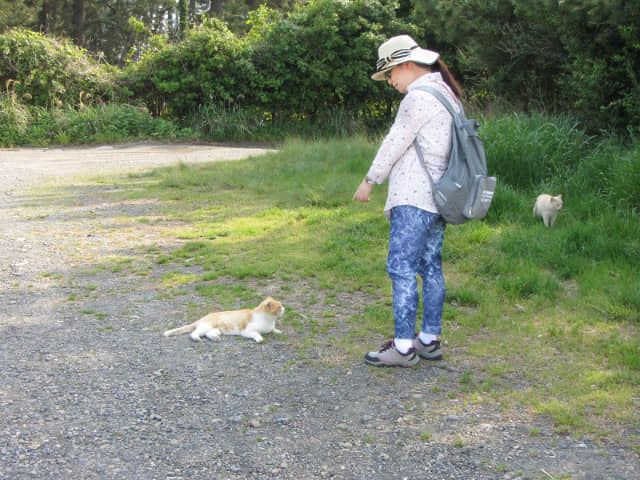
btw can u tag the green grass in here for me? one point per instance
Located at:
(545, 318)
(103, 123)
(22, 124)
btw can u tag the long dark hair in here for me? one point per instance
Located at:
(447, 76)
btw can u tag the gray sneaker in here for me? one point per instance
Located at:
(389, 356)
(431, 351)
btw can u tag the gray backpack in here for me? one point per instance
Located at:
(464, 192)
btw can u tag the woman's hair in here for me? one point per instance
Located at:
(441, 67)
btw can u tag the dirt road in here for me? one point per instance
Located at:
(90, 389)
(28, 164)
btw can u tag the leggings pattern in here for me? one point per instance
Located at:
(415, 248)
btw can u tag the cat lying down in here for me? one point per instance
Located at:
(249, 323)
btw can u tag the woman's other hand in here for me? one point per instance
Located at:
(363, 192)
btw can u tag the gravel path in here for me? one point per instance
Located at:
(89, 388)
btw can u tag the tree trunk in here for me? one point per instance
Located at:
(79, 22)
(44, 16)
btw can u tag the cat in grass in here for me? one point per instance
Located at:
(547, 207)
(249, 323)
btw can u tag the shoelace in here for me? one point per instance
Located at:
(386, 346)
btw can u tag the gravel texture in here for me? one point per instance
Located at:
(90, 389)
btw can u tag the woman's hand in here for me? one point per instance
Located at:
(363, 192)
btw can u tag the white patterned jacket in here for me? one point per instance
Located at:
(419, 115)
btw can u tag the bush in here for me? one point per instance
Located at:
(14, 121)
(603, 58)
(209, 66)
(105, 123)
(110, 123)
(321, 56)
(573, 56)
(316, 58)
(43, 71)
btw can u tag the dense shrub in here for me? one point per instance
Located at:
(575, 57)
(322, 55)
(210, 65)
(602, 41)
(42, 71)
(318, 57)
(104, 123)
(14, 121)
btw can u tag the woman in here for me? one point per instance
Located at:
(416, 228)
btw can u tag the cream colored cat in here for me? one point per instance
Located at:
(547, 207)
(249, 323)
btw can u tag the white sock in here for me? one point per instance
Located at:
(403, 345)
(427, 338)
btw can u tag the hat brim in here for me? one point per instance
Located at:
(419, 55)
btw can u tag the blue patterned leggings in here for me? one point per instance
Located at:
(415, 248)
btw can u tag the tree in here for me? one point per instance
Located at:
(102, 26)
(183, 11)
(79, 22)
(17, 13)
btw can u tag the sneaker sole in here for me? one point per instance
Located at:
(437, 357)
(390, 365)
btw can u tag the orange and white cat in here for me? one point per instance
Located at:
(547, 207)
(249, 323)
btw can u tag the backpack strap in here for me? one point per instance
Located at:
(440, 97)
(446, 104)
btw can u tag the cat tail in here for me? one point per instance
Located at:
(178, 331)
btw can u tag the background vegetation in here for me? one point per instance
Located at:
(304, 61)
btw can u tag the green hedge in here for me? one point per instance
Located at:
(42, 71)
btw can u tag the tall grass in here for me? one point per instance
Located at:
(116, 123)
(214, 122)
(86, 124)
(529, 150)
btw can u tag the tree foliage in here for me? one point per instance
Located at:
(321, 55)
(577, 56)
(210, 65)
(318, 57)
(297, 58)
(103, 27)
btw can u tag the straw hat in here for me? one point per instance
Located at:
(401, 49)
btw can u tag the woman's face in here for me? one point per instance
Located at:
(403, 75)
(399, 78)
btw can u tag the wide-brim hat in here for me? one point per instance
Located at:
(401, 49)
